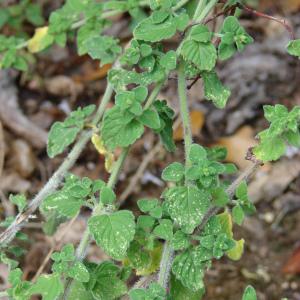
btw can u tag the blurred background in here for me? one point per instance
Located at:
(58, 81)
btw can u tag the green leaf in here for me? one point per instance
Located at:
(150, 118)
(60, 137)
(173, 172)
(49, 286)
(19, 200)
(164, 230)
(169, 60)
(270, 149)
(63, 204)
(117, 131)
(15, 276)
(241, 191)
(214, 89)
(182, 21)
(166, 115)
(249, 293)
(79, 272)
(225, 51)
(200, 33)
(108, 286)
(34, 14)
(107, 195)
(231, 24)
(139, 294)
(114, 232)
(150, 31)
(147, 204)
(219, 197)
(189, 270)
(156, 212)
(180, 240)
(238, 215)
(104, 48)
(187, 206)
(293, 47)
(78, 292)
(202, 55)
(137, 256)
(197, 153)
(179, 292)
(145, 49)
(145, 222)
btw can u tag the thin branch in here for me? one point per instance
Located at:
(283, 22)
(165, 265)
(7, 236)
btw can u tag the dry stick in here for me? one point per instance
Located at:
(57, 177)
(246, 175)
(140, 171)
(283, 22)
(53, 247)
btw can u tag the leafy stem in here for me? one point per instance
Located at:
(84, 243)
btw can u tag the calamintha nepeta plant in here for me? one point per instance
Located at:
(173, 242)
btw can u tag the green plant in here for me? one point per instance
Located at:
(177, 237)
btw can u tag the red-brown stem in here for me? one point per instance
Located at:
(283, 22)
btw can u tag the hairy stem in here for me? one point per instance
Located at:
(184, 112)
(3, 294)
(168, 252)
(85, 241)
(58, 176)
(165, 265)
(211, 4)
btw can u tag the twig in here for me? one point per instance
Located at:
(54, 246)
(165, 265)
(246, 175)
(57, 177)
(140, 171)
(283, 22)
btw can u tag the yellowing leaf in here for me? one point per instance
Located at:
(155, 255)
(237, 251)
(99, 145)
(40, 41)
(226, 223)
(109, 161)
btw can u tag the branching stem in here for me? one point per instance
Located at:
(85, 241)
(246, 175)
(58, 176)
